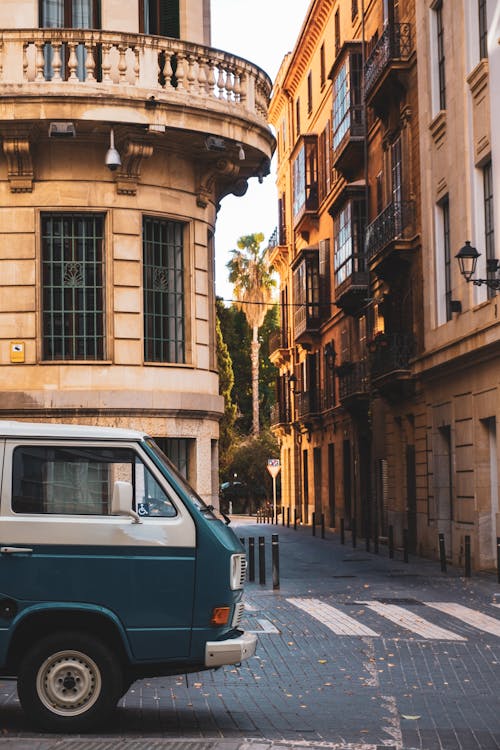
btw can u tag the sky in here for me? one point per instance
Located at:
(261, 31)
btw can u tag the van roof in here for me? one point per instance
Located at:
(11, 428)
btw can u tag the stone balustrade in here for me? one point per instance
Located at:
(89, 62)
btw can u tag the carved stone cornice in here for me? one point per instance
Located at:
(132, 155)
(17, 150)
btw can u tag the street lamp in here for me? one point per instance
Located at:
(467, 258)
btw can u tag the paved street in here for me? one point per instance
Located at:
(356, 651)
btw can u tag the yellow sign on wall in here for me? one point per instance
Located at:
(17, 351)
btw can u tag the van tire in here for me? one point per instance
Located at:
(69, 682)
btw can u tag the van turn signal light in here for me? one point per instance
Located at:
(220, 615)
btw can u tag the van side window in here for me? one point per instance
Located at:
(79, 480)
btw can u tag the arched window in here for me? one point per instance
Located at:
(159, 17)
(70, 14)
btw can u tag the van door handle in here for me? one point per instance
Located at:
(15, 550)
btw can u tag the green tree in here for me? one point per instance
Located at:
(249, 463)
(237, 336)
(253, 283)
(226, 382)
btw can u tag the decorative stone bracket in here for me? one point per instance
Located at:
(132, 155)
(206, 184)
(17, 150)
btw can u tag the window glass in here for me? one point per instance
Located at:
(77, 480)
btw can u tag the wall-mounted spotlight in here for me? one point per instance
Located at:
(214, 143)
(112, 159)
(62, 130)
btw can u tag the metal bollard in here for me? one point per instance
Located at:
(251, 559)
(288, 517)
(367, 536)
(442, 553)
(313, 523)
(262, 560)
(468, 567)
(295, 519)
(275, 553)
(405, 545)
(391, 542)
(342, 531)
(353, 532)
(322, 525)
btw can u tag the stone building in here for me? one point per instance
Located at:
(457, 452)
(121, 130)
(346, 113)
(388, 354)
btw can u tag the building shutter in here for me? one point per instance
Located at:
(169, 18)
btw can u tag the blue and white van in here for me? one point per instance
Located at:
(111, 569)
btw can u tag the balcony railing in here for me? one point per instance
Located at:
(280, 414)
(392, 354)
(397, 221)
(395, 44)
(307, 404)
(353, 380)
(278, 340)
(91, 63)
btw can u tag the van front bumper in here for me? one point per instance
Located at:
(230, 651)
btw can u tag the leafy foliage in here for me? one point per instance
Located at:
(249, 464)
(226, 382)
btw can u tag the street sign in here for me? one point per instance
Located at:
(273, 466)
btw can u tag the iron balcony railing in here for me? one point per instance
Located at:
(280, 414)
(278, 340)
(307, 404)
(397, 221)
(394, 44)
(353, 380)
(392, 353)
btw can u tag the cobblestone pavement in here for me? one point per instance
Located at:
(356, 652)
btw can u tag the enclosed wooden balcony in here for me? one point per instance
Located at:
(387, 66)
(308, 310)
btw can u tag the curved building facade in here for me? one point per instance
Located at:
(121, 130)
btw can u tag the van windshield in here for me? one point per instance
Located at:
(196, 500)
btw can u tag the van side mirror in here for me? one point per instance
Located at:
(121, 503)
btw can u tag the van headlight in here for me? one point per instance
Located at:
(237, 571)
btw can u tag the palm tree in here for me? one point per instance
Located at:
(251, 275)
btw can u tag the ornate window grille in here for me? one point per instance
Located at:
(73, 286)
(163, 271)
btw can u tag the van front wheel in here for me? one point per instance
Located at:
(69, 682)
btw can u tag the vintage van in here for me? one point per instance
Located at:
(111, 569)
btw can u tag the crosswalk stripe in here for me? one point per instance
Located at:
(469, 616)
(338, 622)
(409, 620)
